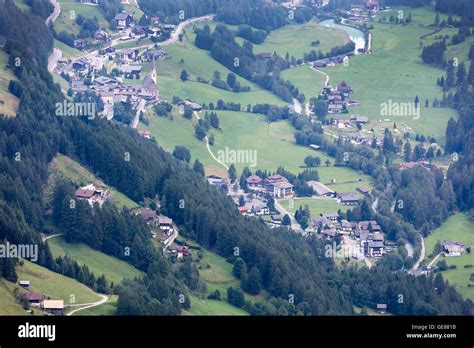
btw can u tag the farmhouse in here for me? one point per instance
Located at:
(24, 283)
(362, 189)
(373, 6)
(218, 182)
(371, 226)
(165, 222)
(452, 248)
(335, 108)
(123, 20)
(156, 54)
(258, 207)
(375, 249)
(359, 119)
(320, 189)
(92, 194)
(381, 308)
(254, 181)
(348, 198)
(54, 307)
(331, 216)
(276, 219)
(322, 222)
(346, 226)
(329, 233)
(344, 88)
(34, 298)
(149, 215)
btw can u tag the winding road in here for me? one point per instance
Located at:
(206, 139)
(104, 299)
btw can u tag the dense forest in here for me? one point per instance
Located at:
(462, 8)
(284, 263)
(256, 13)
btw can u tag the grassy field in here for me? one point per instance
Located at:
(273, 143)
(458, 228)
(397, 47)
(213, 307)
(296, 39)
(21, 4)
(8, 102)
(316, 206)
(309, 82)
(8, 303)
(55, 285)
(115, 270)
(70, 9)
(68, 51)
(63, 167)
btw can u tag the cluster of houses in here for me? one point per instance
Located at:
(367, 233)
(338, 98)
(153, 219)
(38, 300)
(360, 14)
(93, 194)
(331, 62)
(113, 90)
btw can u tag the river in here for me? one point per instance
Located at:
(355, 35)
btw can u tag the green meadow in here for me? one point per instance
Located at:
(316, 206)
(458, 227)
(70, 9)
(296, 39)
(309, 81)
(55, 285)
(397, 47)
(8, 102)
(115, 270)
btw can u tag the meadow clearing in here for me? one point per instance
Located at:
(397, 47)
(55, 285)
(63, 167)
(8, 102)
(115, 270)
(458, 227)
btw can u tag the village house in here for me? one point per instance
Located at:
(90, 2)
(381, 308)
(102, 35)
(362, 189)
(220, 183)
(92, 194)
(278, 186)
(165, 223)
(123, 20)
(346, 226)
(146, 134)
(452, 248)
(34, 298)
(331, 216)
(348, 198)
(371, 226)
(276, 219)
(254, 181)
(264, 55)
(156, 54)
(149, 215)
(322, 223)
(362, 120)
(180, 251)
(372, 6)
(25, 284)
(335, 108)
(54, 307)
(344, 88)
(329, 233)
(257, 207)
(194, 106)
(320, 189)
(126, 54)
(244, 210)
(374, 249)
